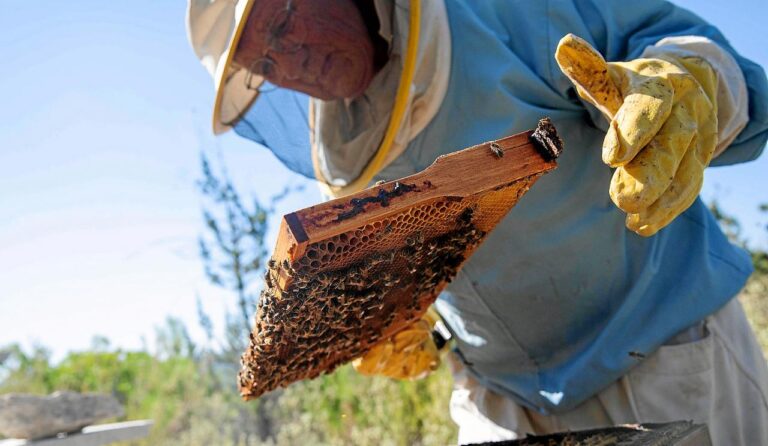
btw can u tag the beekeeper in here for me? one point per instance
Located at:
(607, 295)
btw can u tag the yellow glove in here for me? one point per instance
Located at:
(663, 128)
(409, 354)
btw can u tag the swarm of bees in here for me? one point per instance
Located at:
(353, 271)
(324, 318)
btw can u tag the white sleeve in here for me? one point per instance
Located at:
(732, 97)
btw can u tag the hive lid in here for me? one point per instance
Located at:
(349, 272)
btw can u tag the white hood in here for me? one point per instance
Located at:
(346, 134)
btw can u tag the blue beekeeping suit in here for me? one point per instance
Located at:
(548, 309)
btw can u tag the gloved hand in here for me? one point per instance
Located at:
(663, 129)
(409, 354)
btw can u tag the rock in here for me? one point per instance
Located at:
(34, 416)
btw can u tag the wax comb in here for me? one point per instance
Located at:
(349, 272)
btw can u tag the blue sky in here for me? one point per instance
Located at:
(104, 112)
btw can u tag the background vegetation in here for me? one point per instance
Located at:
(189, 389)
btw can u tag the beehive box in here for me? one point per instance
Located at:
(681, 433)
(349, 272)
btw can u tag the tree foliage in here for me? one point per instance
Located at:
(192, 399)
(233, 247)
(148, 386)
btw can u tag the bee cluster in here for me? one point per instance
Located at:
(324, 317)
(358, 269)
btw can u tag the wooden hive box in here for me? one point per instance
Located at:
(680, 433)
(349, 272)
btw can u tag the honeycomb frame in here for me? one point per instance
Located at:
(350, 272)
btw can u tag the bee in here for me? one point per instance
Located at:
(389, 281)
(496, 149)
(345, 300)
(374, 306)
(356, 282)
(409, 253)
(325, 281)
(268, 279)
(415, 239)
(288, 268)
(376, 260)
(301, 283)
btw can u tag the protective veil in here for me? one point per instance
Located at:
(335, 141)
(347, 134)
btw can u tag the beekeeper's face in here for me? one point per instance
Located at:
(319, 47)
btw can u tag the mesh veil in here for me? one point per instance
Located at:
(279, 121)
